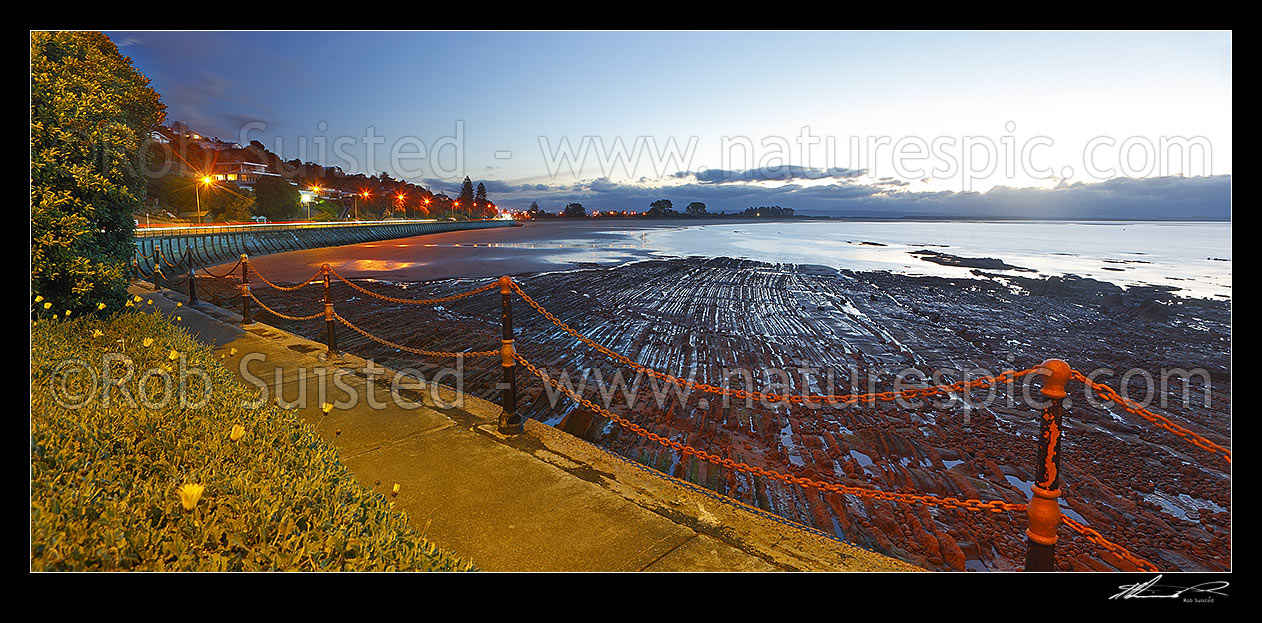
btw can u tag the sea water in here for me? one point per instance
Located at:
(1192, 257)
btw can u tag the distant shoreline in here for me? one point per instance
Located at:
(872, 219)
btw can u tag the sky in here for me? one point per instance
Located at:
(996, 123)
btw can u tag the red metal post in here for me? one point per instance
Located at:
(245, 289)
(1043, 509)
(192, 279)
(510, 423)
(328, 313)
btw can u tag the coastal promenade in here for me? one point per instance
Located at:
(540, 501)
(178, 249)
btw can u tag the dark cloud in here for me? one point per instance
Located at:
(769, 174)
(1206, 198)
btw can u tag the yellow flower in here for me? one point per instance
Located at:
(326, 407)
(179, 305)
(96, 333)
(177, 319)
(395, 490)
(190, 494)
(100, 306)
(129, 304)
(237, 433)
(148, 301)
(67, 312)
(136, 298)
(173, 355)
(232, 351)
(38, 298)
(148, 342)
(47, 305)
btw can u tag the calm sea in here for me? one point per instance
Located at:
(1193, 257)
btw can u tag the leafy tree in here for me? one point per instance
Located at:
(276, 198)
(695, 208)
(768, 212)
(238, 209)
(466, 194)
(91, 113)
(661, 207)
(574, 210)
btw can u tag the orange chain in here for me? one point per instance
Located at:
(428, 353)
(1096, 538)
(284, 288)
(276, 313)
(223, 276)
(995, 506)
(433, 301)
(924, 392)
(1108, 393)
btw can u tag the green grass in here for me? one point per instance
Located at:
(105, 478)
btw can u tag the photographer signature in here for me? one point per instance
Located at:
(1151, 589)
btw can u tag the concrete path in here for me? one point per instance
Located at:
(541, 501)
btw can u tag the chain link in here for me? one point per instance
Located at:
(995, 506)
(1108, 393)
(318, 274)
(1098, 539)
(276, 313)
(433, 301)
(202, 266)
(418, 351)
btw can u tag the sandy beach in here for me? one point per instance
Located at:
(534, 247)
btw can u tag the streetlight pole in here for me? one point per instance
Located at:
(197, 191)
(315, 194)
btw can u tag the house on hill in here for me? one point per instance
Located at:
(241, 173)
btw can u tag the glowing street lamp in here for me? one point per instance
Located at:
(197, 190)
(315, 195)
(365, 196)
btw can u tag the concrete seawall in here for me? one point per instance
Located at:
(214, 244)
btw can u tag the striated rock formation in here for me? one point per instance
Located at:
(857, 332)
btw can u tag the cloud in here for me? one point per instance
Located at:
(1120, 198)
(769, 174)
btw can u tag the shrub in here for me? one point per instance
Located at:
(91, 114)
(106, 480)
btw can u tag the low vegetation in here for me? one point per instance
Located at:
(205, 484)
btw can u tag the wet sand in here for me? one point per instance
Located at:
(534, 247)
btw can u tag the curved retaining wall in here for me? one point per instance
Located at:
(224, 243)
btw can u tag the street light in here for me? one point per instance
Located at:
(365, 196)
(315, 190)
(197, 190)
